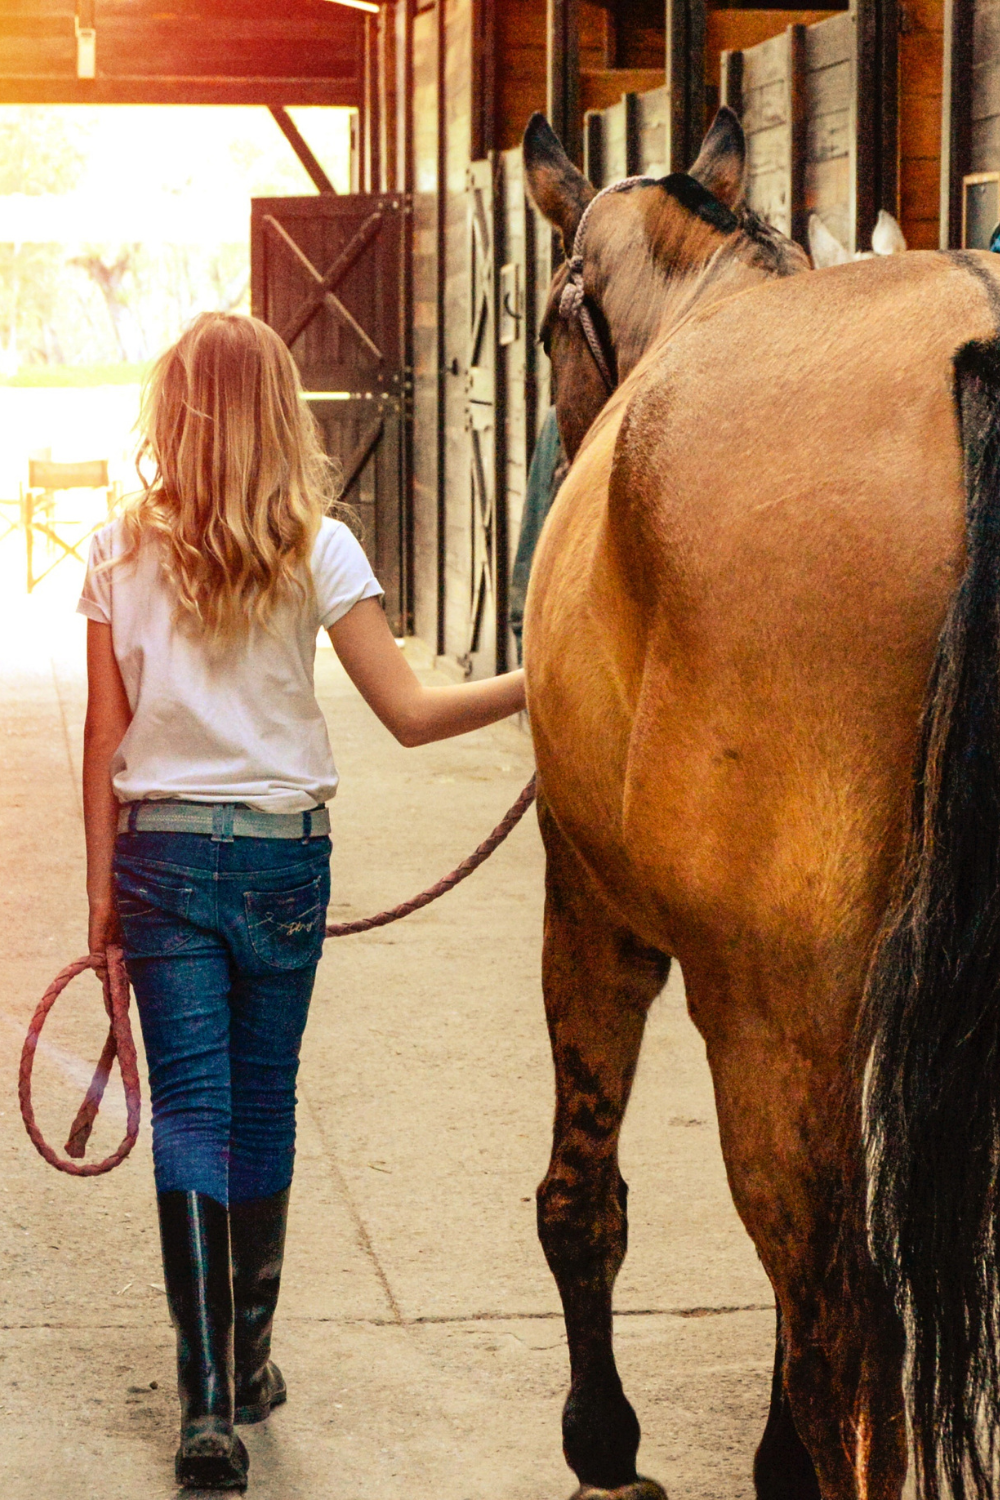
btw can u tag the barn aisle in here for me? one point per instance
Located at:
(419, 1326)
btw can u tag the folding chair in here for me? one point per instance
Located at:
(38, 508)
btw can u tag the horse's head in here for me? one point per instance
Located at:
(638, 255)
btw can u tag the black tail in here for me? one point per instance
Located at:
(932, 1015)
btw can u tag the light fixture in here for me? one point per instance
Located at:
(357, 5)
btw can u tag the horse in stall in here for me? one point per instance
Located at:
(762, 643)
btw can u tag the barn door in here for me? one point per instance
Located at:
(486, 643)
(327, 274)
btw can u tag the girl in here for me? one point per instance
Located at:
(207, 770)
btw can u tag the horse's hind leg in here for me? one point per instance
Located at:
(788, 1106)
(599, 983)
(782, 1468)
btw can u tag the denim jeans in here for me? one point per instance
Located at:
(222, 939)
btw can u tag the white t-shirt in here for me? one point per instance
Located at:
(239, 726)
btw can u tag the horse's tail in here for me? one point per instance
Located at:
(932, 1015)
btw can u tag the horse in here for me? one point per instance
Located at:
(762, 644)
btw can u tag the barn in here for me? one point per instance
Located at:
(412, 304)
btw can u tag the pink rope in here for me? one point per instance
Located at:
(119, 1041)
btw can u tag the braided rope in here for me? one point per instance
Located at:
(116, 1001)
(119, 1044)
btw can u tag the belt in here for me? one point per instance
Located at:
(223, 821)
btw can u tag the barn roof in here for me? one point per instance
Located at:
(181, 52)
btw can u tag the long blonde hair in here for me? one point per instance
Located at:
(239, 483)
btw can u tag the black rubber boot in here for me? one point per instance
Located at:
(194, 1233)
(258, 1239)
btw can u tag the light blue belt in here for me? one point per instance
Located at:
(223, 821)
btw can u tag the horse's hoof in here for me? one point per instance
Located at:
(642, 1489)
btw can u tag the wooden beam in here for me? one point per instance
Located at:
(300, 146)
(956, 117)
(48, 89)
(563, 75)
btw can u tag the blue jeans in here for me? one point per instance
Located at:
(222, 940)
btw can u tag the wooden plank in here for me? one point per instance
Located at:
(602, 88)
(615, 165)
(984, 150)
(29, 89)
(827, 185)
(767, 152)
(828, 136)
(984, 94)
(763, 108)
(985, 30)
(830, 42)
(765, 64)
(654, 109)
(828, 91)
(768, 196)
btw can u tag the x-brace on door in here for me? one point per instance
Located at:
(327, 274)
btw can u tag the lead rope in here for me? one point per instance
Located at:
(119, 1041)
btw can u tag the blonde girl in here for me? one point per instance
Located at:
(207, 770)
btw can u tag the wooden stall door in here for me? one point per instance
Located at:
(486, 640)
(327, 274)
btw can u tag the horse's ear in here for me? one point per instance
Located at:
(559, 191)
(722, 160)
(824, 247)
(887, 237)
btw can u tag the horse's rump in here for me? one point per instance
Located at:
(740, 591)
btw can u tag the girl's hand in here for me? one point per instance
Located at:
(104, 931)
(413, 713)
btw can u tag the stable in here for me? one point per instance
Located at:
(412, 304)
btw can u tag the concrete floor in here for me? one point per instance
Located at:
(419, 1328)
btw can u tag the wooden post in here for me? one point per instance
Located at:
(874, 115)
(593, 148)
(731, 92)
(484, 78)
(441, 303)
(563, 75)
(956, 117)
(797, 123)
(403, 54)
(685, 70)
(371, 131)
(633, 134)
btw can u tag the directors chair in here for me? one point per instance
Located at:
(38, 510)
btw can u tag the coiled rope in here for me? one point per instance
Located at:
(119, 1041)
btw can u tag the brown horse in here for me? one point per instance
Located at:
(755, 577)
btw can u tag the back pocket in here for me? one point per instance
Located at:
(287, 927)
(153, 916)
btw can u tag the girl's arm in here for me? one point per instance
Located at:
(108, 717)
(415, 714)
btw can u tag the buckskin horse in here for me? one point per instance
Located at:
(763, 657)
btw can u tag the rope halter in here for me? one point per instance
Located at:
(574, 302)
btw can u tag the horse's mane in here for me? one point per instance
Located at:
(774, 251)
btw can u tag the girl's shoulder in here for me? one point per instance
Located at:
(337, 548)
